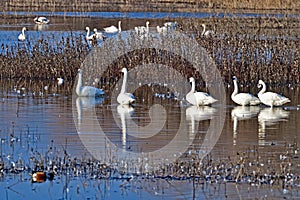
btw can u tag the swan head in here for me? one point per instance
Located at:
(124, 70)
(260, 83)
(234, 78)
(203, 25)
(147, 22)
(87, 28)
(95, 30)
(119, 22)
(192, 79)
(79, 71)
(24, 29)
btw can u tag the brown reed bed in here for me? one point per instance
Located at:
(249, 48)
(151, 5)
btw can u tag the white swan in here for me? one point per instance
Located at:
(125, 98)
(243, 99)
(88, 36)
(140, 30)
(199, 98)
(60, 81)
(171, 24)
(41, 20)
(22, 36)
(86, 91)
(270, 98)
(206, 32)
(162, 29)
(113, 29)
(98, 35)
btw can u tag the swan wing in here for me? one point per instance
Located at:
(244, 99)
(202, 98)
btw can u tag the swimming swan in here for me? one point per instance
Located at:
(22, 36)
(270, 98)
(86, 91)
(41, 20)
(125, 98)
(243, 99)
(113, 29)
(199, 98)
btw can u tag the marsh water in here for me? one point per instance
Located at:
(58, 124)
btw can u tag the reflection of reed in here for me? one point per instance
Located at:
(269, 117)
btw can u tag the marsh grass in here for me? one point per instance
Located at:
(265, 48)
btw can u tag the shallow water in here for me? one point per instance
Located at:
(67, 124)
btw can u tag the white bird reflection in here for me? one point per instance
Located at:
(269, 117)
(196, 114)
(125, 111)
(86, 104)
(242, 113)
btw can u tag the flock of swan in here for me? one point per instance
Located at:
(193, 97)
(98, 35)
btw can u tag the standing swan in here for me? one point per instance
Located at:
(140, 30)
(206, 32)
(243, 99)
(113, 29)
(125, 98)
(22, 36)
(88, 36)
(270, 98)
(199, 98)
(86, 91)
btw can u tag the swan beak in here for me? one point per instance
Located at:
(259, 85)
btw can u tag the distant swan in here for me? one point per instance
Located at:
(199, 98)
(206, 32)
(125, 98)
(22, 36)
(88, 36)
(270, 98)
(171, 24)
(41, 20)
(113, 29)
(98, 35)
(86, 91)
(162, 29)
(243, 99)
(140, 30)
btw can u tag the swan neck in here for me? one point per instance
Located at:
(79, 83)
(88, 32)
(120, 27)
(203, 32)
(263, 89)
(193, 87)
(123, 89)
(235, 91)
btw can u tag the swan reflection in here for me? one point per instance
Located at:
(86, 104)
(125, 112)
(269, 117)
(243, 113)
(196, 114)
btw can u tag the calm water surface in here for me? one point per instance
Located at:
(61, 121)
